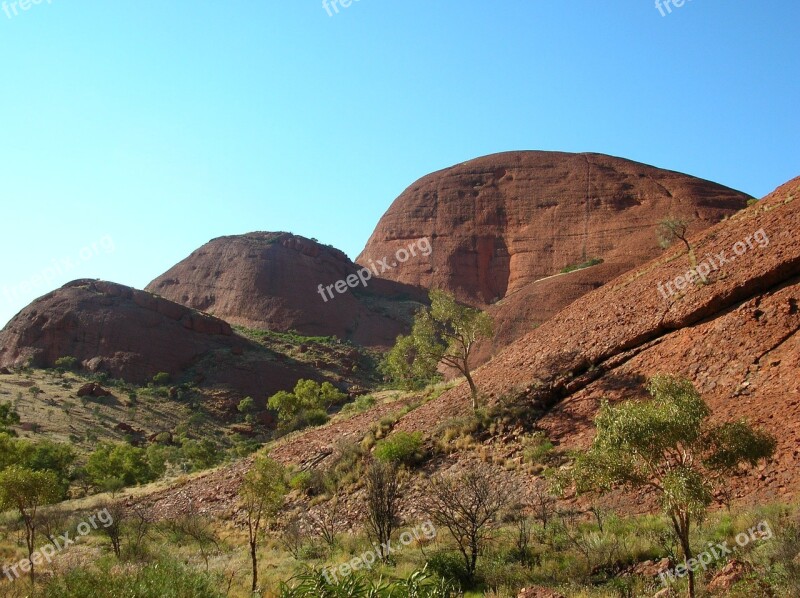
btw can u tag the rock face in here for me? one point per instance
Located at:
(734, 335)
(133, 335)
(501, 223)
(271, 281)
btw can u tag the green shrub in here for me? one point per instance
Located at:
(300, 481)
(448, 565)
(362, 403)
(246, 405)
(66, 363)
(588, 264)
(536, 448)
(161, 378)
(314, 584)
(401, 448)
(308, 397)
(161, 579)
(111, 462)
(202, 454)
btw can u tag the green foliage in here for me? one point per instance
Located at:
(264, 487)
(362, 403)
(246, 405)
(314, 584)
(449, 565)
(400, 448)
(445, 333)
(202, 454)
(588, 264)
(46, 456)
(306, 405)
(8, 416)
(161, 378)
(26, 490)
(113, 464)
(163, 578)
(666, 444)
(66, 363)
(536, 448)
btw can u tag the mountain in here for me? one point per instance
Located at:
(278, 281)
(503, 227)
(734, 334)
(133, 335)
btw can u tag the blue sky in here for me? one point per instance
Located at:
(145, 129)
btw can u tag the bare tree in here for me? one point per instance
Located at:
(468, 505)
(523, 532)
(114, 530)
(140, 525)
(325, 521)
(292, 537)
(197, 527)
(52, 522)
(383, 502)
(544, 505)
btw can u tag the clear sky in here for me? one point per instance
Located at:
(148, 128)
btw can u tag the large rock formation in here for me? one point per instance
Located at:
(735, 335)
(133, 335)
(272, 281)
(502, 223)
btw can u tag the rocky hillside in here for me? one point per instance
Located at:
(734, 335)
(502, 225)
(133, 335)
(272, 281)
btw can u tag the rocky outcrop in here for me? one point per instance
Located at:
(734, 334)
(133, 335)
(273, 280)
(502, 225)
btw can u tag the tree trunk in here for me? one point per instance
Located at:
(472, 389)
(687, 553)
(254, 559)
(29, 540)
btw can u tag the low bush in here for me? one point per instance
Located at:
(161, 579)
(401, 448)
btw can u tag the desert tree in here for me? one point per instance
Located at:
(27, 491)
(673, 229)
(668, 445)
(445, 333)
(469, 505)
(383, 502)
(113, 531)
(261, 496)
(325, 521)
(197, 527)
(52, 521)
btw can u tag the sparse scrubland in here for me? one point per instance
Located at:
(352, 527)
